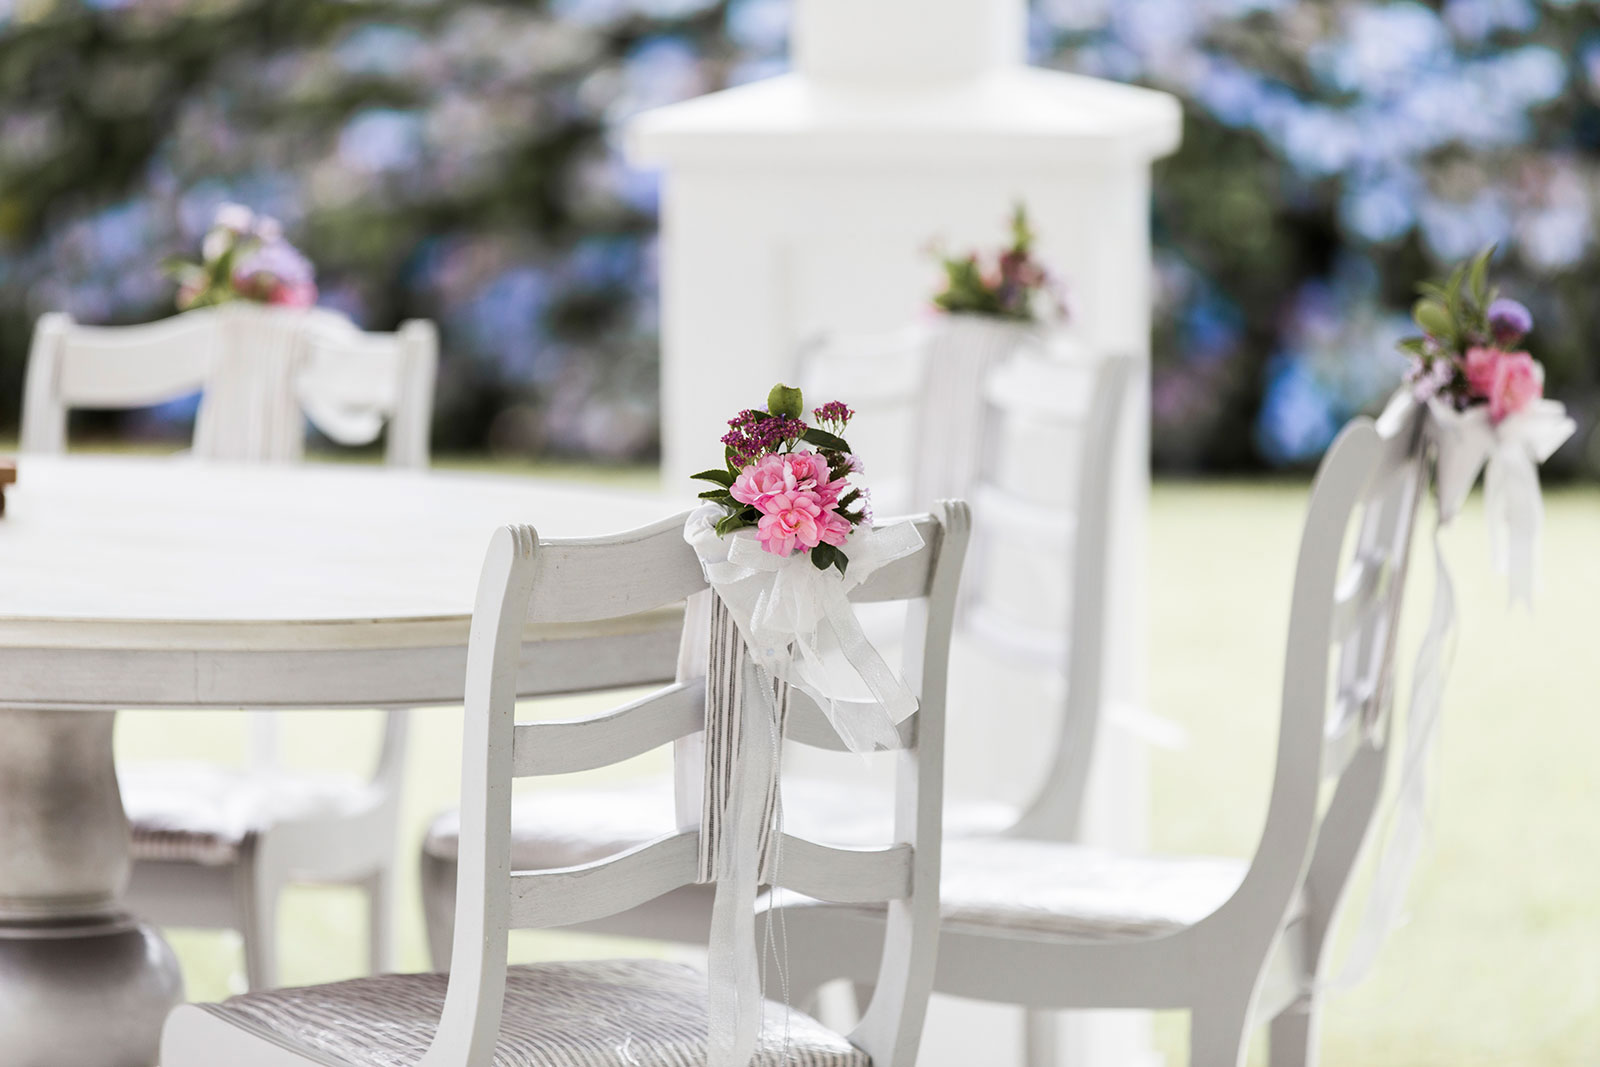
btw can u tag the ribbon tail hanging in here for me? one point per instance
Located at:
(1516, 518)
(1409, 822)
(744, 723)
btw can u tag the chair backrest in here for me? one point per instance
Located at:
(586, 584)
(1338, 683)
(1077, 400)
(249, 416)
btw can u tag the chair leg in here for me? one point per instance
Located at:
(380, 921)
(1040, 1038)
(438, 909)
(258, 923)
(1292, 1036)
(1218, 1034)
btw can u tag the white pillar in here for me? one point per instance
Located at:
(806, 203)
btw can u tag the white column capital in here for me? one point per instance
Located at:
(906, 42)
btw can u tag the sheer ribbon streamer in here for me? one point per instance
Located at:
(1508, 454)
(773, 623)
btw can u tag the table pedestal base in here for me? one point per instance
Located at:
(81, 982)
(91, 994)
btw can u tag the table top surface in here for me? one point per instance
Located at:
(95, 545)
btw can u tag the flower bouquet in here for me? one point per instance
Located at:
(245, 256)
(1009, 284)
(1486, 409)
(991, 308)
(799, 500)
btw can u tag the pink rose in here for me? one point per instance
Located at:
(293, 294)
(806, 470)
(835, 529)
(791, 519)
(1518, 382)
(1479, 368)
(761, 481)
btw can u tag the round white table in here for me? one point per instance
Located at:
(171, 583)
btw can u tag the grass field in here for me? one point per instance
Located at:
(1500, 961)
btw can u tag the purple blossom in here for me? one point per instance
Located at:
(752, 434)
(834, 413)
(1428, 379)
(1509, 320)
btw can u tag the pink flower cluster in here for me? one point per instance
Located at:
(798, 501)
(1509, 381)
(245, 257)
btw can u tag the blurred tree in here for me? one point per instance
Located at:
(459, 159)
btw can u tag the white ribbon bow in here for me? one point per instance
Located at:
(1464, 443)
(798, 626)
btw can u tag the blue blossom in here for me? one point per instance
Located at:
(1296, 422)
(381, 139)
(380, 50)
(759, 26)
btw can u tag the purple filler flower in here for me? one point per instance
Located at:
(752, 434)
(834, 413)
(1427, 380)
(1509, 321)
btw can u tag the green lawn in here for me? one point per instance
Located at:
(1500, 962)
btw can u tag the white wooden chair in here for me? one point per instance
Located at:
(616, 1012)
(1051, 925)
(213, 847)
(256, 368)
(1081, 400)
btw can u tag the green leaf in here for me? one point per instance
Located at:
(1414, 345)
(785, 401)
(822, 557)
(1478, 277)
(824, 439)
(1438, 292)
(1435, 319)
(730, 523)
(721, 496)
(715, 474)
(840, 560)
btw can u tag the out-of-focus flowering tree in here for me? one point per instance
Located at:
(459, 160)
(1335, 152)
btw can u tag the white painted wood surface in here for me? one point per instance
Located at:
(177, 555)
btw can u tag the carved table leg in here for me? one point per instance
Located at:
(81, 981)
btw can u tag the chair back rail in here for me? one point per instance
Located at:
(73, 366)
(575, 581)
(1338, 677)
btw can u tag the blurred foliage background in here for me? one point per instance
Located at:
(459, 160)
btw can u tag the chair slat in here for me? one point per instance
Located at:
(1361, 587)
(642, 569)
(542, 748)
(135, 366)
(844, 875)
(1344, 733)
(575, 894)
(808, 725)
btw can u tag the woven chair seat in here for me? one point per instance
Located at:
(604, 1013)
